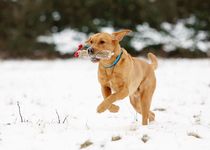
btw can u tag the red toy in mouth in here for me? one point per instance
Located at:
(76, 54)
(82, 52)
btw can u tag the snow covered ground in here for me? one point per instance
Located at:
(70, 88)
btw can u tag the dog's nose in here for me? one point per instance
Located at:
(90, 50)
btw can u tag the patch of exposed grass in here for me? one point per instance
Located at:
(145, 138)
(196, 135)
(116, 138)
(159, 109)
(86, 144)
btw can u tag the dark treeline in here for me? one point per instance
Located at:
(22, 21)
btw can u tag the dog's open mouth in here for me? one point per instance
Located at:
(94, 59)
(104, 54)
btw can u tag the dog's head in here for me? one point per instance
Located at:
(104, 41)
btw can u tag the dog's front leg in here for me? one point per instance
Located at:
(106, 91)
(111, 99)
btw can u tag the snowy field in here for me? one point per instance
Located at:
(58, 101)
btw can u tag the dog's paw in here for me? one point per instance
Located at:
(102, 107)
(114, 108)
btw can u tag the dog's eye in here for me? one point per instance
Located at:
(91, 42)
(102, 42)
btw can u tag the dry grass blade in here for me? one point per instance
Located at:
(116, 138)
(85, 144)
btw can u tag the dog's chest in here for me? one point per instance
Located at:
(114, 81)
(114, 87)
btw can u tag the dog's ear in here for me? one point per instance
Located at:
(88, 40)
(120, 34)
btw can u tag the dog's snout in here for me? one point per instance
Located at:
(90, 50)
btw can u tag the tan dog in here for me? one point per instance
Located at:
(128, 76)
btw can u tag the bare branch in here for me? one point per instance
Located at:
(59, 120)
(21, 117)
(65, 119)
(87, 126)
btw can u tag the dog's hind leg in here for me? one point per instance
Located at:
(146, 94)
(106, 91)
(135, 100)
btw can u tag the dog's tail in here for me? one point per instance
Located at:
(153, 59)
